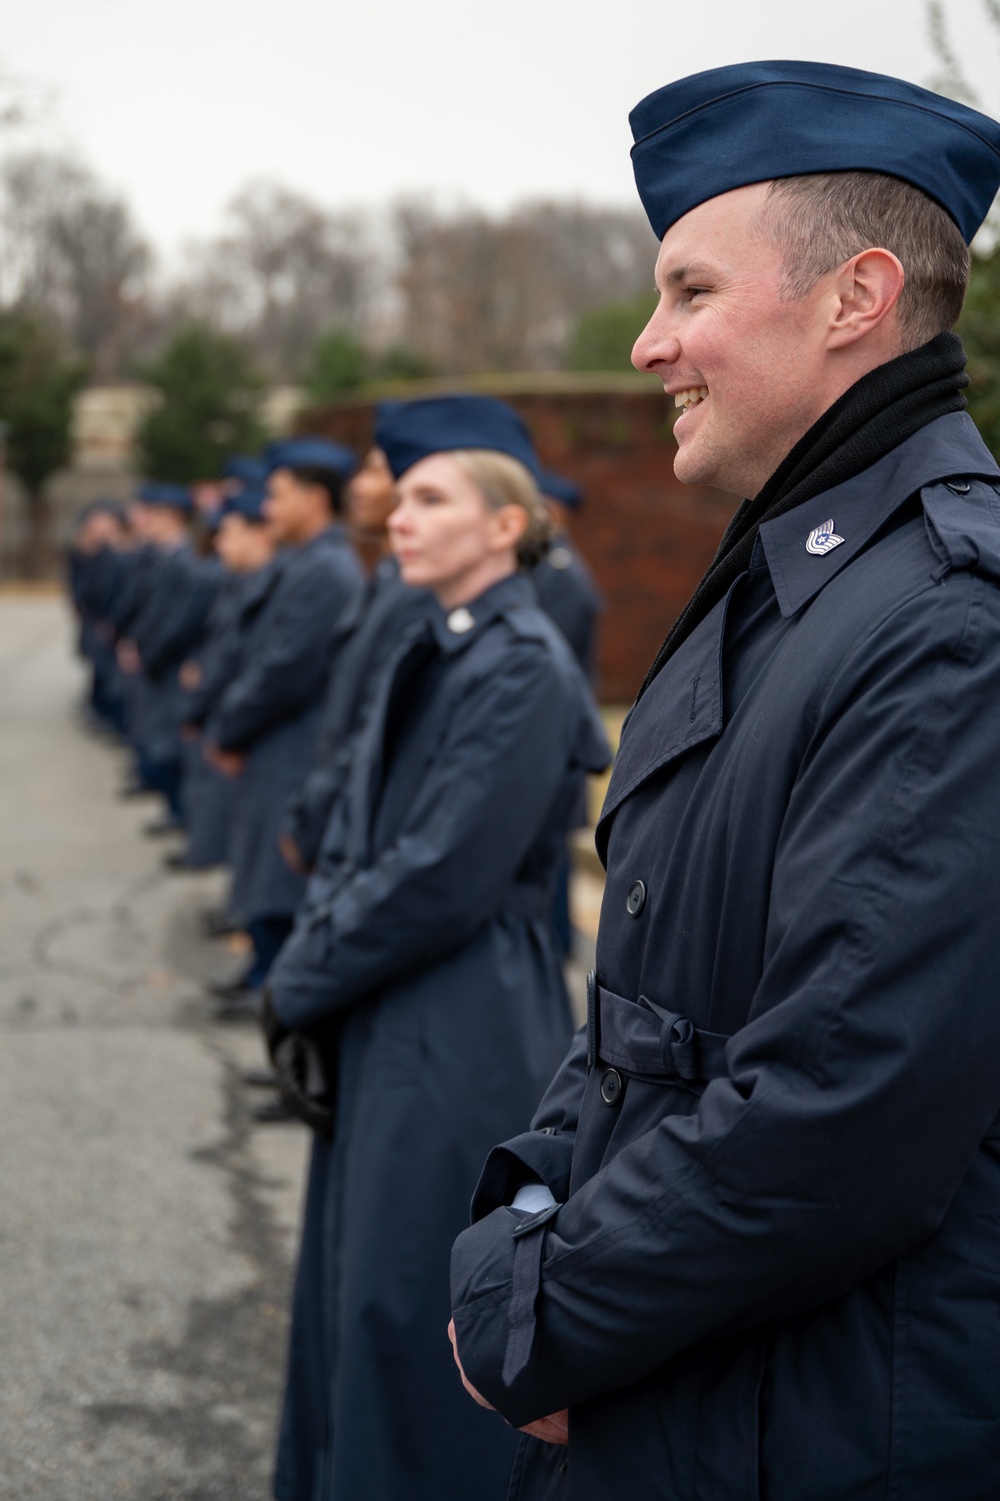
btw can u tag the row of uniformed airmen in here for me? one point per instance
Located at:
(391, 765)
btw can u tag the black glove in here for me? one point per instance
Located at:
(306, 1067)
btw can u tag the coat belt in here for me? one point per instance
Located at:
(646, 1040)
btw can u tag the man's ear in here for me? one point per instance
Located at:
(866, 290)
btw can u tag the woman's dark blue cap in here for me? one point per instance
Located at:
(753, 122)
(412, 430)
(309, 453)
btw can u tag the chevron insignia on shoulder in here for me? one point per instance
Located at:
(822, 539)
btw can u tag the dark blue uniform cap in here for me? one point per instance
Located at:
(243, 466)
(411, 430)
(729, 127)
(248, 503)
(160, 493)
(558, 487)
(309, 453)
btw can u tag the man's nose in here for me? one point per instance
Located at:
(655, 346)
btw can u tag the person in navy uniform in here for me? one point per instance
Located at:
(563, 582)
(264, 727)
(178, 589)
(243, 544)
(567, 592)
(140, 557)
(97, 568)
(424, 944)
(386, 610)
(764, 1257)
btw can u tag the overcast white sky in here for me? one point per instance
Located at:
(177, 103)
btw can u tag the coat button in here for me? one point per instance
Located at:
(611, 1086)
(636, 899)
(958, 486)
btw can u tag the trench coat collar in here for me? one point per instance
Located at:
(948, 446)
(683, 705)
(515, 592)
(334, 535)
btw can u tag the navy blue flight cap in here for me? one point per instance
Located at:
(243, 466)
(309, 453)
(161, 493)
(752, 122)
(248, 503)
(408, 431)
(558, 487)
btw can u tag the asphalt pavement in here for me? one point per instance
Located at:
(147, 1227)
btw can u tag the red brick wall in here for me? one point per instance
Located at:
(647, 538)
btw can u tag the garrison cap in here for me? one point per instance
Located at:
(309, 453)
(558, 487)
(247, 503)
(161, 493)
(752, 122)
(244, 467)
(408, 431)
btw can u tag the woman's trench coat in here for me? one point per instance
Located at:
(426, 933)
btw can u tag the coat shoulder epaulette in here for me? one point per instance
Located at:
(528, 623)
(963, 523)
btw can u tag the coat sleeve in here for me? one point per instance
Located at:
(476, 814)
(546, 1151)
(859, 1091)
(308, 810)
(289, 671)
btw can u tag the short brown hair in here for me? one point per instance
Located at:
(505, 481)
(828, 217)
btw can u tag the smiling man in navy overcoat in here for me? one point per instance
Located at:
(751, 1246)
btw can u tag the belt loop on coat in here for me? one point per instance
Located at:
(593, 1020)
(526, 1278)
(646, 1040)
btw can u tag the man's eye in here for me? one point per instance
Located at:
(692, 292)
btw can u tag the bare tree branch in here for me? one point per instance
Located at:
(951, 79)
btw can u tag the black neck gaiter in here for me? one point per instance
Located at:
(880, 411)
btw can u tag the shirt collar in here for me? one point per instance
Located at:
(457, 628)
(949, 445)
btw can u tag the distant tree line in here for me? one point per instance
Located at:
(289, 291)
(411, 289)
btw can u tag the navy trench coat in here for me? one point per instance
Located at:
(387, 610)
(425, 932)
(96, 580)
(568, 594)
(209, 795)
(133, 583)
(773, 1267)
(180, 590)
(272, 709)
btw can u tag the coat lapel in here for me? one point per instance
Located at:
(682, 707)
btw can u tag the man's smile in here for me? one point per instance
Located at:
(690, 398)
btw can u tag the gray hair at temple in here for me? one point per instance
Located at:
(821, 220)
